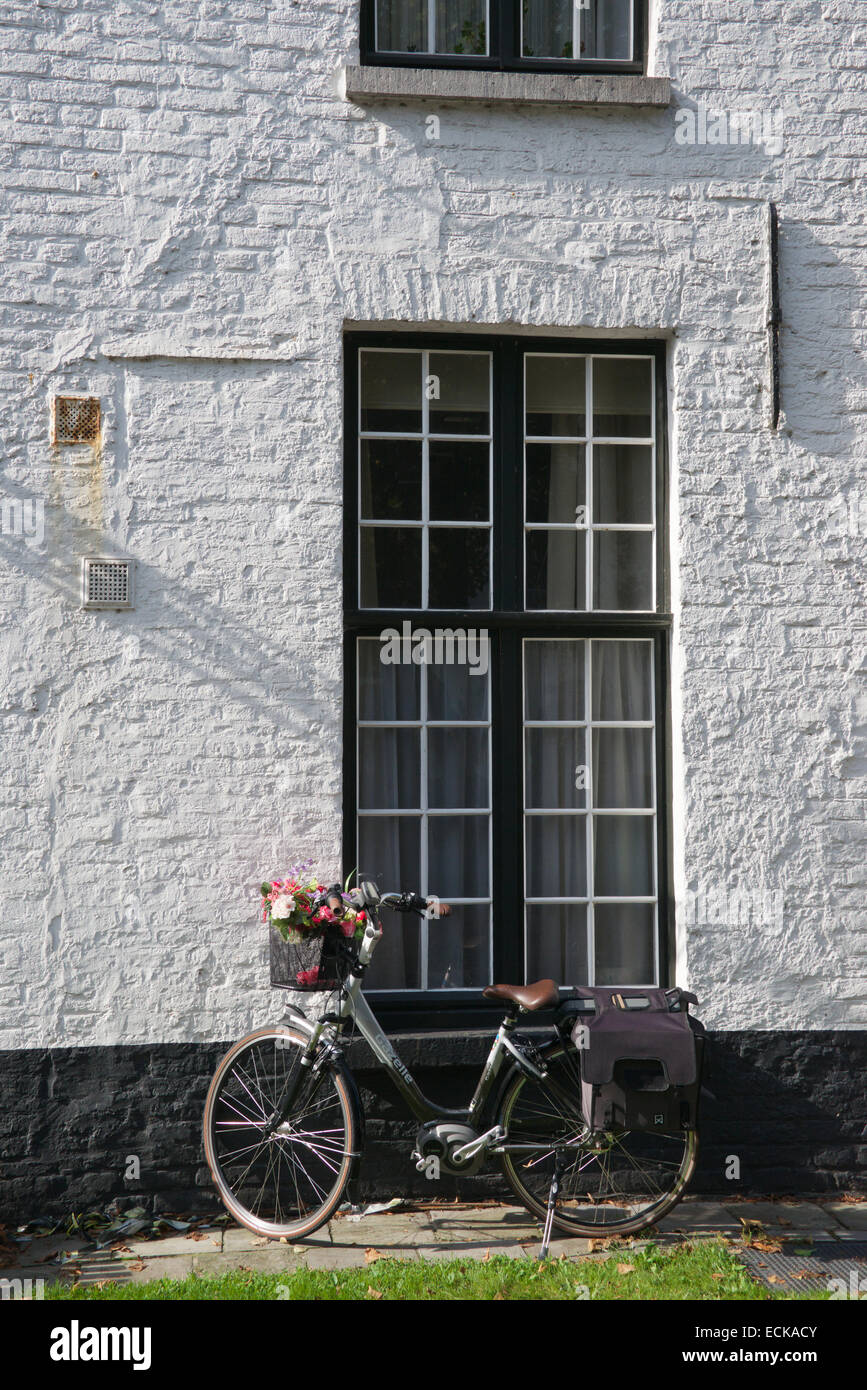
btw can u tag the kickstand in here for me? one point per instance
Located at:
(552, 1201)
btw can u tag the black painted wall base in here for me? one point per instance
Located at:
(792, 1107)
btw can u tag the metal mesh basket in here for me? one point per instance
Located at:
(312, 963)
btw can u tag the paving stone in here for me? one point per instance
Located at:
(266, 1261)
(800, 1216)
(236, 1241)
(853, 1217)
(400, 1229)
(172, 1267)
(172, 1245)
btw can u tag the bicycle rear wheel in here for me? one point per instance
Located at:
(612, 1184)
(290, 1183)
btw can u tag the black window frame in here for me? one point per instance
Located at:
(505, 46)
(507, 624)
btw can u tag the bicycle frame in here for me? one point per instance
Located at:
(353, 1005)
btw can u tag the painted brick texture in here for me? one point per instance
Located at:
(191, 215)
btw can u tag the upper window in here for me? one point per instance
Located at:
(568, 35)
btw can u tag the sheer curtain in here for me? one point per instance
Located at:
(436, 776)
(619, 764)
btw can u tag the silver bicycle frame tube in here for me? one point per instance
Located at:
(354, 1005)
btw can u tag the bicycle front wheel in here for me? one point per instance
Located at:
(611, 1184)
(289, 1183)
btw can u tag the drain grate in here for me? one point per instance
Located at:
(843, 1262)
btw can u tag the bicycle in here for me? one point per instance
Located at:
(284, 1126)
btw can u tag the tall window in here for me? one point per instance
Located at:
(505, 656)
(567, 35)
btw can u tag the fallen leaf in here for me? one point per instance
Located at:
(626, 1269)
(499, 1297)
(717, 1276)
(371, 1255)
(775, 1279)
(374, 1293)
(808, 1274)
(485, 1257)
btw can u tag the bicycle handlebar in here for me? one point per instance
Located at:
(412, 902)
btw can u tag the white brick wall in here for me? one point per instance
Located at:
(191, 214)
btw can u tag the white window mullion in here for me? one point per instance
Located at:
(425, 479)
(588, 848)
(424, 887)
(588, 484)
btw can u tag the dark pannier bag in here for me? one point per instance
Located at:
(641, 1058)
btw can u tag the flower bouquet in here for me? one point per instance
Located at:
(310, 918)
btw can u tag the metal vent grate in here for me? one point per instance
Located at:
(76, 420)
(106, 582)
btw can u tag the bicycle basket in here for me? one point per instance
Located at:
(307, 963)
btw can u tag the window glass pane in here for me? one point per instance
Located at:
(622, 484)
(386, 691)
(459, 948)
(457, 767)
(624, 943)
(388, 852)
(556, 856)
(555, 482)
(460, 481)
(557, 943)
(459, 691)
(606, 29)
(547, 28)
(555, 769)
(623, 569)
(555, 569)
(391, 392)
(391, 479)
(622, 673)
(389, 769)
(623, 767)
(461, 26)
(622, 397)
(554, 680)
(623, 856)
(401, 26)
(555, 403)
(390, 567)
(460, 392)
(458, 857)
(459, 568)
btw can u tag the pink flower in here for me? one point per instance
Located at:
(307, 977)
(347, 928)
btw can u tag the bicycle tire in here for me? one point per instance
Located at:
(308, 1168)
(579, 1212)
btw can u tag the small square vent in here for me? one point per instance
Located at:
(75, 420)
(106, 582)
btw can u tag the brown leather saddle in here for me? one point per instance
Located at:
(544, 994)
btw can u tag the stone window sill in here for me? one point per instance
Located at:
(367, 86)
